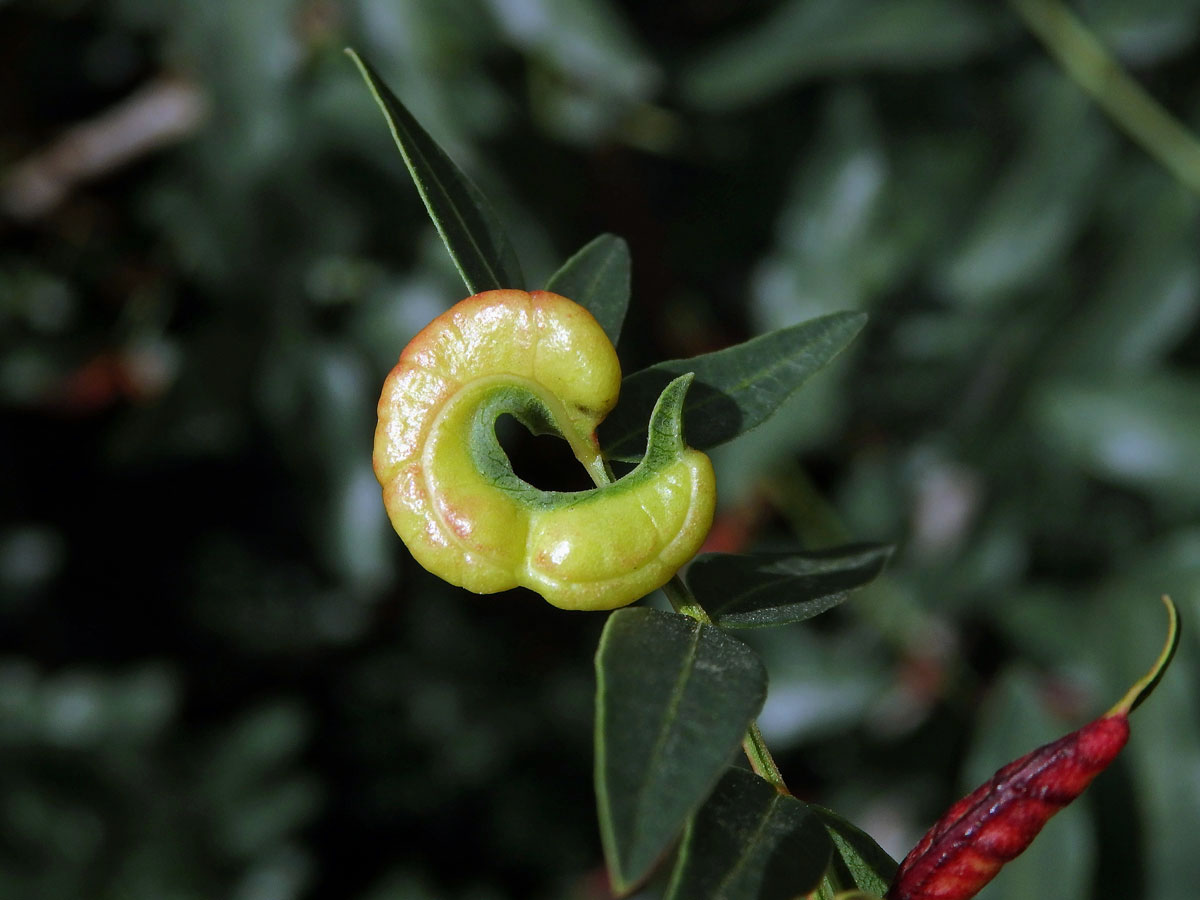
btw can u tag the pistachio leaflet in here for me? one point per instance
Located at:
(450, 490)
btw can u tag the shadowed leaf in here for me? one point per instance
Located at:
(674, 698)
(748, 840)
(735, 389)
(779, 588)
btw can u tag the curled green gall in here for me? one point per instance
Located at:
(451, 492)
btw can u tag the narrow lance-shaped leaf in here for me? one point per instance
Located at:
(749, 840)
(462, 215)
(965, 849)
(736, 388)
(597, 278)
(673, 700)
(780, 588)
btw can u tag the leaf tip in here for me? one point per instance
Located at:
(1144, 686)
(368, 75)
(355, 58)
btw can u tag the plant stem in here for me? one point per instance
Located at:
(761, 760)
(684, 602)
(1096, 71)
(755, 748)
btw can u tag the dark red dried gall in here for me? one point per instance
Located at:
(996, 822)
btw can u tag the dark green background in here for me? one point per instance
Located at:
(220, 673)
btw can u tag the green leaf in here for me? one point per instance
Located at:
(1031, 216)
(1147, 300)
(597, 278)
(591, 44)
(1143, 432)
(462, 215)
(736, 388)
(673, 700)
(858, 861)
(1145, 32)
(750, 841)
(803, 39)
(779, 588)
(837, 242)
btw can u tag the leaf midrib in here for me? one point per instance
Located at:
(458, 215)
(397, 125)
(781, 581)
(685, 674)
(738, 866)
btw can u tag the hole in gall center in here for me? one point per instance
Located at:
(545, 461)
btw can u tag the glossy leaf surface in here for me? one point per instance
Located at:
(750, 841)
(469, 228)
(674, 698)
(597, 278)
(779, 588)
(735, 389)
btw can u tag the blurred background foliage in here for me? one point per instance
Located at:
(220, 673)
